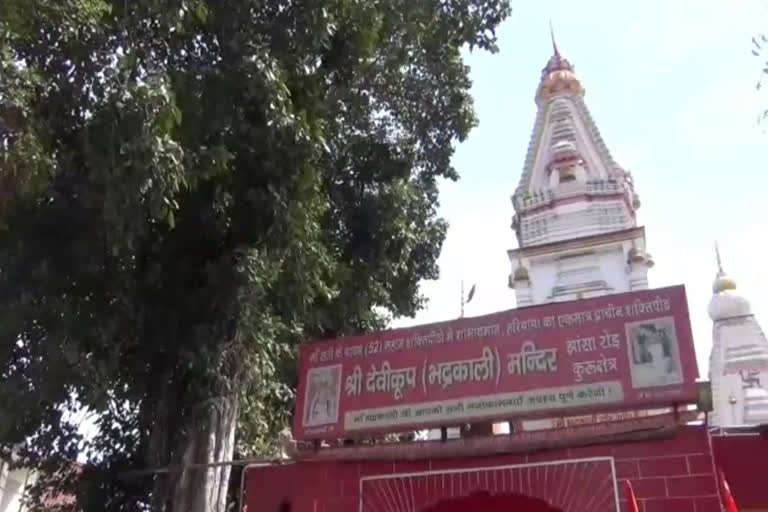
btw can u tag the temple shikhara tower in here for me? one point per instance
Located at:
(575, 207)
(577, 233)
(738, 363)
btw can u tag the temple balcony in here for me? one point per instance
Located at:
(544, 197)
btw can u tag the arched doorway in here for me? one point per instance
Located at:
(483, 501)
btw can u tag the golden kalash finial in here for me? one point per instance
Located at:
(722, 280)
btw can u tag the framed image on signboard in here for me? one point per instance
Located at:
(321, 400)
(654, 353)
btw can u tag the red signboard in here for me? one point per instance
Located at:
(617, 351)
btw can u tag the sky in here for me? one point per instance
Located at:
(672, 88)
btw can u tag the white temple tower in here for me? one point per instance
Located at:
(738, 363)
(574, 206)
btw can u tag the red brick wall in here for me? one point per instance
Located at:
(667, 475)
(744, 460)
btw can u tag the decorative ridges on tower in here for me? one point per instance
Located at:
(574, 206)
(595, 133)
(592, 129)
(755, 406)
(533, 148)
(568, 163)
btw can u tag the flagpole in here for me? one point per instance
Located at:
(462, 299)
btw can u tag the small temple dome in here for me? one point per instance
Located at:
(726, 302)
(638, 256)
(521, 274)
(723, 282)
(635, 255)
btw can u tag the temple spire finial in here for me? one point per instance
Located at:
(722, 280)
(719, 261)
(552, 35)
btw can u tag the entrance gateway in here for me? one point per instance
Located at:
(672, 469)
(597, 391)
(594, 371)
(571, 484)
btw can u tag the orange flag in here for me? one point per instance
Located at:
(728, 501)
(631, 501)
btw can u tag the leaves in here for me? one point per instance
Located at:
(191, 189)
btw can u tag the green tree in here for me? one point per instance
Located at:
(188, 189)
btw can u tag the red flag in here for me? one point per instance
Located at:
(728, 501)
(631, 501)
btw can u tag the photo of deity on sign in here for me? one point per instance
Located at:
(321, 400)
(654, 355)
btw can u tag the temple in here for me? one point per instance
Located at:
(738, 362)
(498, 402)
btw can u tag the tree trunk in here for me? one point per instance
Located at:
(208, 438)
(157, 414)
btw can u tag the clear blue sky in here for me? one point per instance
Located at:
(671, 85)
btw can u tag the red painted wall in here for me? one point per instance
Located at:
(667, 475)
(744, 460)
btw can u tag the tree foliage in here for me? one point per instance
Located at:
(189, 189)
